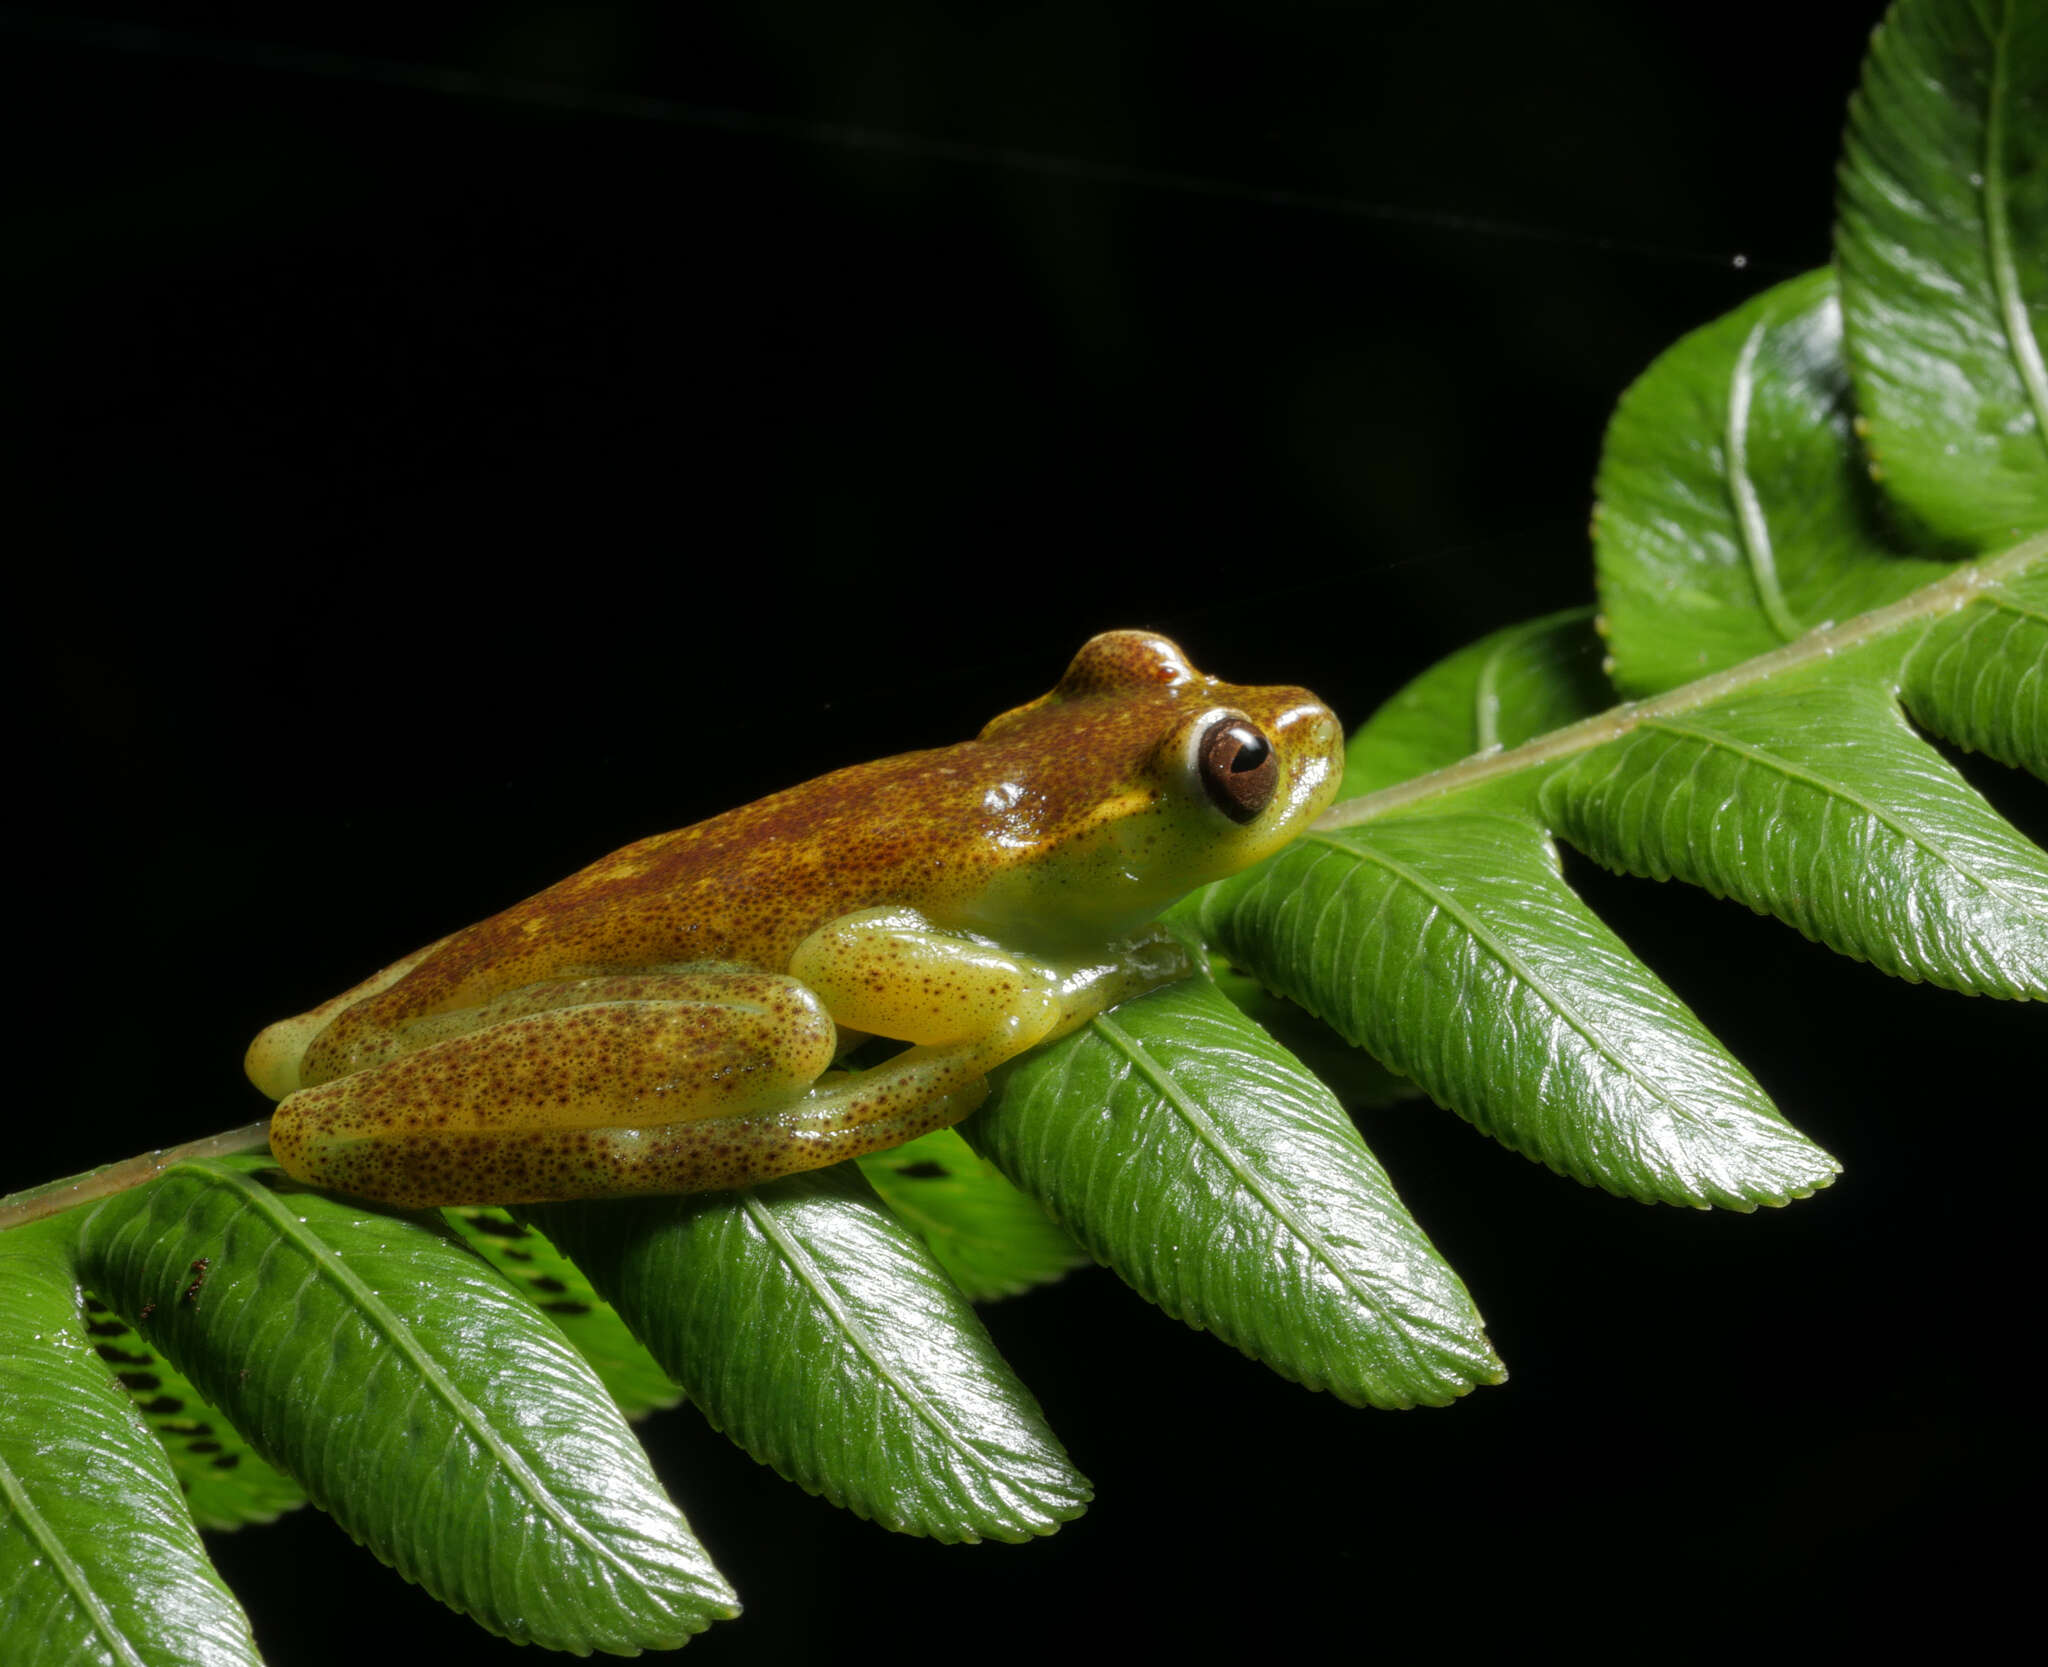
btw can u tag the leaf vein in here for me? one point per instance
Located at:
(328, 1264)
(75, 1582)
(1487, 941)
(1749, 509)
(801, 1263)
(1203, 1127)
(2012, 304)
(1838, 794)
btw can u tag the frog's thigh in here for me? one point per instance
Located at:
(729, 999)
(890, 972)
(433, 1125)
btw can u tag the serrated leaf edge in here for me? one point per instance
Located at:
(1973, 581)
(818, 1283)
(1490, 942)
(326, 1263)
(1205, 1129)
(1764, 758)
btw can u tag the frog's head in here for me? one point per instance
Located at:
(1138, 779)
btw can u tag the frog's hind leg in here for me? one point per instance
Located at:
(826, 1126)
(846, 1114)
(504, 1104)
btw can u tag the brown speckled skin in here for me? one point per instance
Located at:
(744, 888)
(1065, 825)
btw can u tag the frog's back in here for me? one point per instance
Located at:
(740, 890)
(967, 835)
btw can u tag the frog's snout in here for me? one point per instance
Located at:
(1314, 739)
(1310, 732)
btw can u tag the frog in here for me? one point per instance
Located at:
(827, 972)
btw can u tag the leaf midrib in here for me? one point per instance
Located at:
(2006, 603)
(327, 1262)
(75, 1582)
(1830, 787)
(1204, 1128)
(1566, 1011)
(1748, 506)
(857, 1334)
(2005, 280)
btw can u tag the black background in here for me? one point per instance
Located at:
(454, 449)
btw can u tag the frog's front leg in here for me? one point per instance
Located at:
(966, 1005)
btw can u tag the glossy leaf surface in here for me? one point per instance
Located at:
(815, 1329)
(558, 1288)
(1942, 242)
(1735, 509)
(225, 1483)
(1358, 1079)
(1450, 947)
(1819, 805)
(364, 1354)
(1980, 676)
(1221, 1180)
(74, 1459)
(991, 1238)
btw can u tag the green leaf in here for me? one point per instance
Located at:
(1980, 676)
(1450, 947)
(1735, 510)
(1503, 690)
(1194, 1155)
(364, 1353)
(814, 1328)
(99, 1560)
(1819, 805)
(1358, 1079)
(1942, 244)
(225, 1483)
(556, 1286)
(989, 1237)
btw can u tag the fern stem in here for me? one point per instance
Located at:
(33, 1203)
(1930, 602)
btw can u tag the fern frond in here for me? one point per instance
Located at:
(1821, 548)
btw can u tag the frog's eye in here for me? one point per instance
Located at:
(1237, 767)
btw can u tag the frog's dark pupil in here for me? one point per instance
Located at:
(1238, 769)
